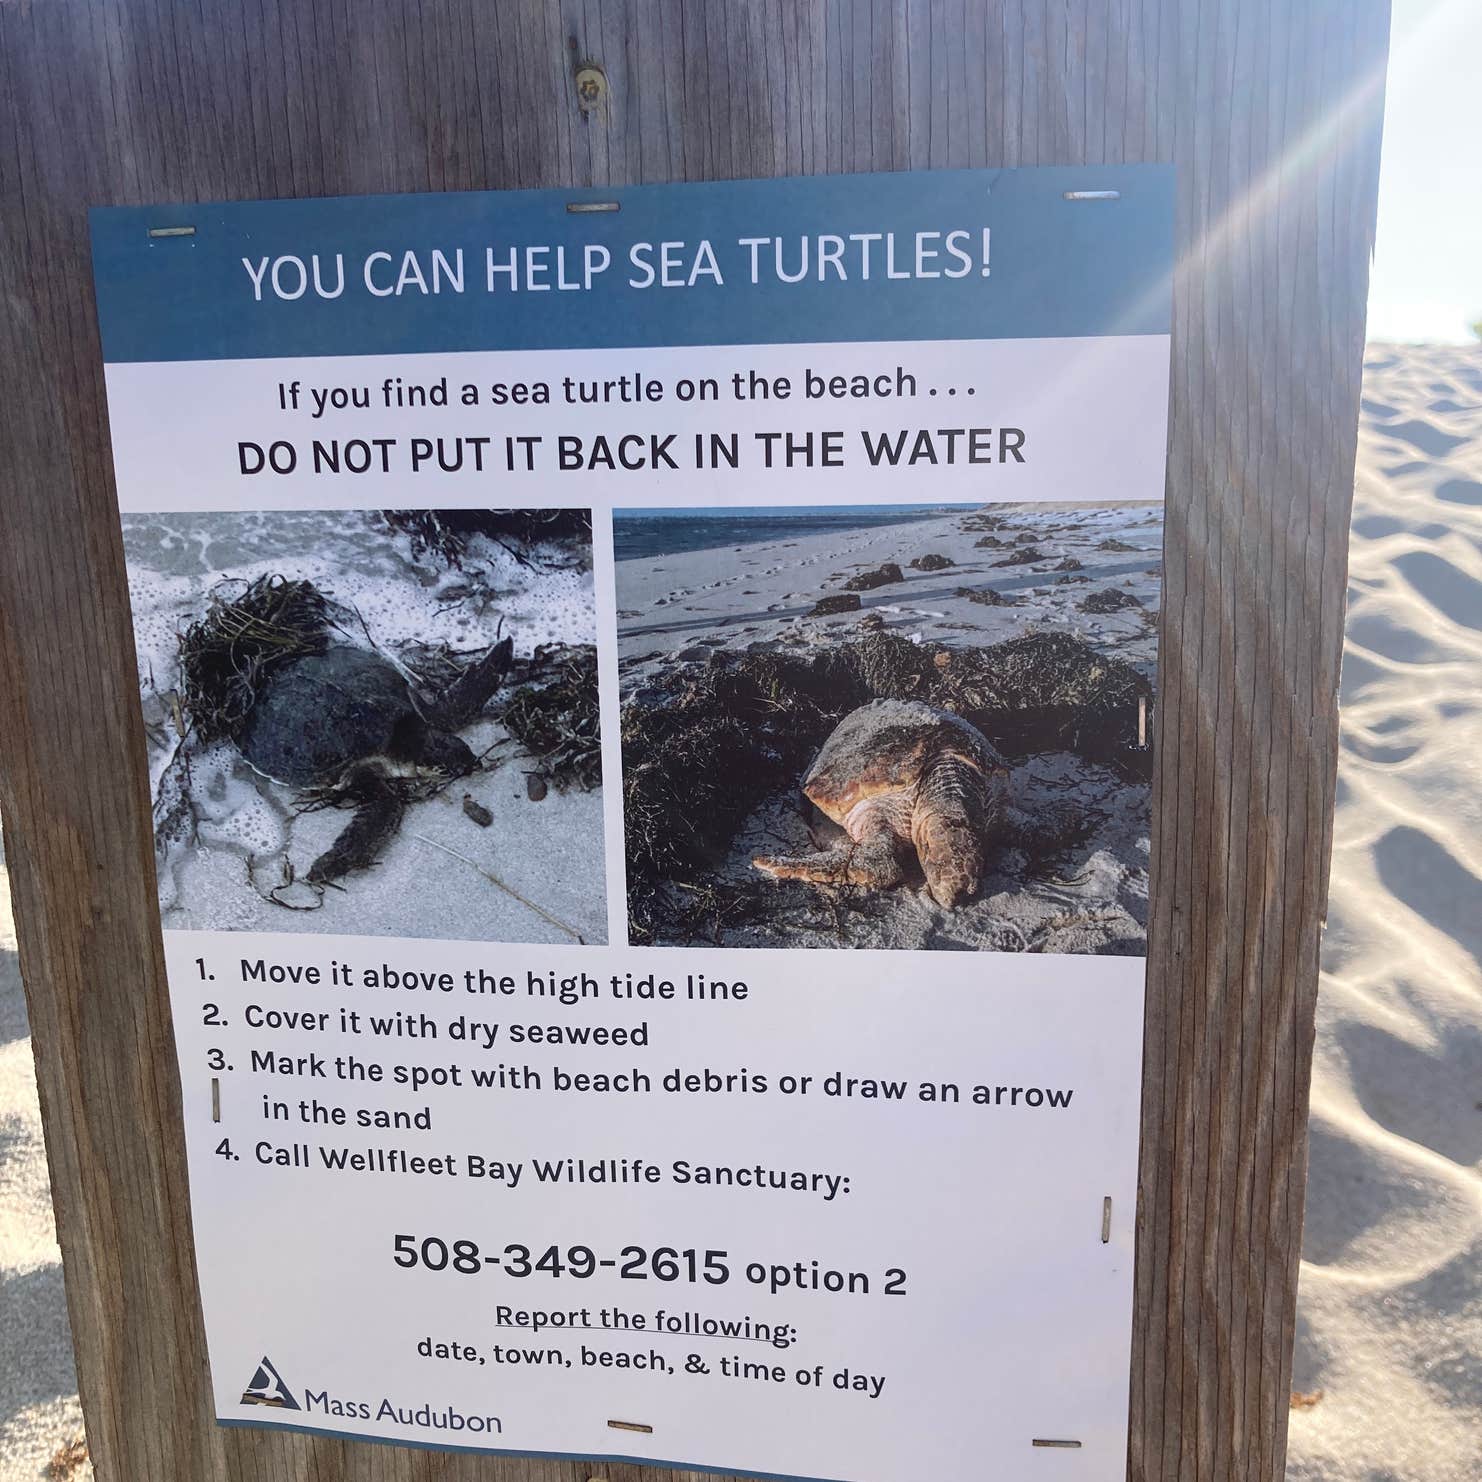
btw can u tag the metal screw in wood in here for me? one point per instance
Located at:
(591, 87)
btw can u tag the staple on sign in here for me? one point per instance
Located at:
(584, 208)
(1142, 720)
(172, 231)
(1093, 195)
(1061, 1445)
(630, 1425)
(215, 1098)
(1106, 1220)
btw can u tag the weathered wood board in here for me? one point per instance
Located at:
(1272, 114)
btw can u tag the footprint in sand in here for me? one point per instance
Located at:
(1382, 635)
(1460, 491)
(1430, 440)
(1375, 753)
(1404, 470)
(1416, 1214)
(1428, 878)
(1424, 1087)
(1376, 527)
(1447, 588)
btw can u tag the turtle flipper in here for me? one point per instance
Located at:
(360, 842)
(874, 863)
(467, 695)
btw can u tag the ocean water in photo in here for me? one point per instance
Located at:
(637, 533)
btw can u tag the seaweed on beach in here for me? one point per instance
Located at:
(249, 630)
(1050, 692)
(554, 715)
(706, 910)
(68, 1461)
(882, 576)
(445, 535)
(708, 745)
(987, 597)
(982, 520)
(1109, 599)
(698, 758)
(834, 602)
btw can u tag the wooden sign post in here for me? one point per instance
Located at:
(1272, 118)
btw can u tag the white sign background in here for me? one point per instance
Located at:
(1093, 411)
(1016, 1317)
(1016, 1322)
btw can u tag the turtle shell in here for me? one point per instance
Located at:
(322, 713)
(887, 746)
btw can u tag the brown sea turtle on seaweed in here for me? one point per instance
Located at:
(906, 782)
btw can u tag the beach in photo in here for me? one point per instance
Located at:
(911, 726)
(372, 722)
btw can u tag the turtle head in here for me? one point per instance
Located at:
(431, 750)
(954, 808)
(951, 855)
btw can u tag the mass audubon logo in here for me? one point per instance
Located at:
(268, 1388)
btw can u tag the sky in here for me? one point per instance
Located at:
(1426, 282)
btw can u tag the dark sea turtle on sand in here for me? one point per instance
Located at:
(346, 724)
(266, 667)
(907, 783)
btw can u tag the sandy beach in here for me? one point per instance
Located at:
(38, 1383)
(684, 607)
(1390, 1315)
(1389, 1337)
(951, 585)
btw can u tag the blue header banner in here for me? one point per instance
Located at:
(933, 255)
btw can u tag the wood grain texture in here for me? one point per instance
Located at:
(1271, 111)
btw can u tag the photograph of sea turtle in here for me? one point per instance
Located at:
(906, 783)
(347, 720)
(902, 726)
(373, 722)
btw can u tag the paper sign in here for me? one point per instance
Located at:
(648, 699)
